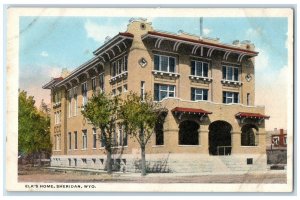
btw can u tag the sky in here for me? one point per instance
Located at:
(48, 44)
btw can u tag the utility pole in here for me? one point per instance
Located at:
(201, 26)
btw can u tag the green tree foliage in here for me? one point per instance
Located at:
(101, 110)
(139, 117)
(33, 128)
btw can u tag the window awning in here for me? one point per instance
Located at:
(190, 111)
(251, 115)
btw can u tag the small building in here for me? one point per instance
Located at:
(210, 125)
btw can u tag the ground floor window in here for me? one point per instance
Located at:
(249, 135)
(159, 133)
(188, 133)
(84, 139)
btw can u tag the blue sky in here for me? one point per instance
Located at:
(48, 44)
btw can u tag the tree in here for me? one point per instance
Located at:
(101, 110)
(139, 118)
(33, 128)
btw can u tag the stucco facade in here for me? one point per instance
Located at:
(207, 88)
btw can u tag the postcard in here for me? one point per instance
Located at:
(149, 99)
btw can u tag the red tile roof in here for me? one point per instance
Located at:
(200, 42)
(191, 110)
(251, 115)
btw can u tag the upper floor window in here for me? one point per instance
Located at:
(162, 91)
(57, 97)
(199, 94)
(119, 66)
(230, 73)
(84, 93)
(101, 82)
(75, 101)
(57, 117)
(164, 63)
(199, 68)
(94, 84)
(70, 103)
(230, 97)
(84, 139)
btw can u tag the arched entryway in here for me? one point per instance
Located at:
(188, 133)
(220, 138)
(249, 135)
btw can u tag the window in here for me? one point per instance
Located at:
(119, 66)
(70, 140)
(102, 141)
(163, 91)
(94, 84)
(70, 103)
(57, 142)
(164, 63)
(275, 140)
(101, 82)
(230, 97)
(125, 88)
(199, 68)
(75, 140)
(75, 101)
(159, 133)
(114, 92)
(143, 90)
(199, 94)
(248, 99)
(230, 73)
(119, 90)
(125, 63)
(57, 117)
(122, 137)
(84, 93)
(285, 140)
(84, 139)
(94, 139)
(57, 97)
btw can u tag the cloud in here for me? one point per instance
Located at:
(99, 32)
(206, 31)
(262, 61)
(44, 54)
(254, 32)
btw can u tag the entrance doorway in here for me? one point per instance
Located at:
(220, 138)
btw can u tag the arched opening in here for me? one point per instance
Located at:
(159, 132)
(220, 138)
(188, 133)
(249, 135)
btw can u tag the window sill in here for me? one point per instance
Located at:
(158, 146)
(249, 146)
(119, 76)
(162, 73)
(186, 145)
(56, 150)
(94, 148)
(228, 82)
(119, 147)
(200, 78)
(83, 149)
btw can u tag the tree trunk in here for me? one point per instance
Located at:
(108, 162)
(143, 164)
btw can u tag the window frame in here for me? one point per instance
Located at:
(75, 140)
(233, 97)
(75, 97)
(168, 66)
(168, 91)
(84, 93)
(195, 70)
(94, 84)
(194, 94)
(232, 74)
(94, 138)
(84, 139)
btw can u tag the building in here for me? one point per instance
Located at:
(211, 124)
(277, 139)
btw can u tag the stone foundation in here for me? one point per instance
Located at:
(169, 163)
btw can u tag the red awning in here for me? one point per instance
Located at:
(191, 110)
(251, 115)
